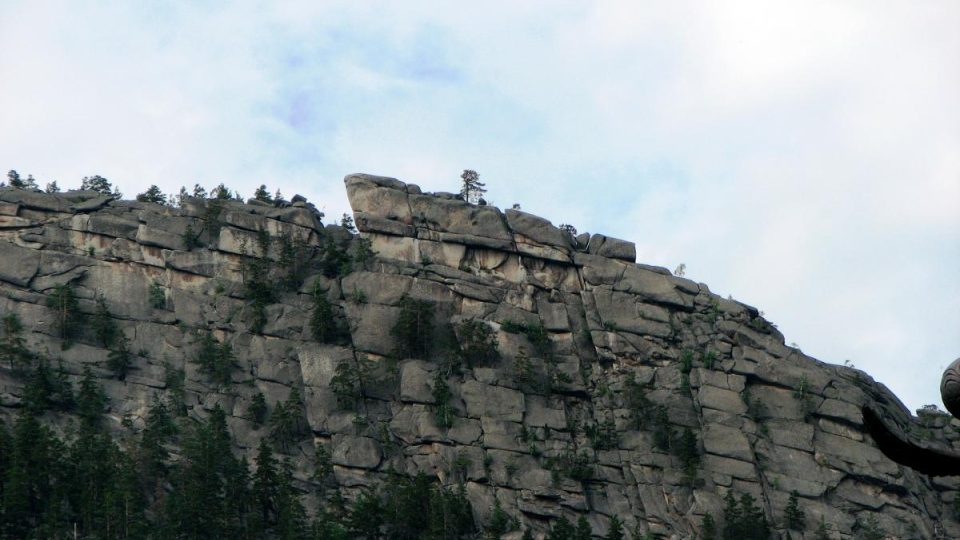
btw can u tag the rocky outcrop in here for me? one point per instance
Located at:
(599, 359)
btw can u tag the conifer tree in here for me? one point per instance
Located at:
(562, 529)
(153, 195)
(97, 183)
(291, 516)
(615, 529)
(265, 482)
(793, 516)
(583, 529)
(13, 350)
(63, 300)
(472, 190)
(261, 194)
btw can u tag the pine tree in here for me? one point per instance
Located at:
(472, 190)
(583, 529)
(13, 350)
(793, 516)
(615, 529)
(153, 195)
(323, 324)
(63, 300)
(562, 529)
(291, 516)
(97, 183)
(822, 532)
(158, 430)
(103, 324)
(265, 481)
(13, 179)
(708, 528)
(258, 409)
(414, 328)
(261, 194)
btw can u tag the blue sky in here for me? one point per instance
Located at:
(803, 157)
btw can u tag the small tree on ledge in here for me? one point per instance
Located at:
(472, 189)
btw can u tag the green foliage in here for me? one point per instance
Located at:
(500, 521)
(756, 410)
(662, 432)
(258, 409)
(157, 432)
(157, 296)
(215, 359)
(744, 520)
(222, 193)
(708, 528)
(411, 509)
(615, 529)
(709, 359)
(583, 531)
(324, 325)
(293, 261)
(120, 359)
(603, 435)
(822, 532)
(258, 284)
(361, 253)
(335, 261)
(687, 452)
(802, 394)
(869, 529)
(793, 516)
(413, 330)
(13, 350)
(471, 188)
(174, 379)
(574, 466)
(288, 423)
(152, 195)
(47, 390)
(478, 344)
(323, 468)
(443, 412)
(562, 529)
(99, 184)
(635, 395)
(191, 238)
(346, 385)
(262, 194)
(67, 316)
(104, 327)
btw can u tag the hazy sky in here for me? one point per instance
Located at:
(801, 156)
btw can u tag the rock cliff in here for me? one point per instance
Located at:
(614, 388)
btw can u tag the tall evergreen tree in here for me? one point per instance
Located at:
(152, 195)
(472, 190)
(615, 529)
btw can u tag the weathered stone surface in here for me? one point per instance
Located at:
(360, 452)
(612, 248)
(19, 265)
(483, 400)
(416, 379)
(608, 324)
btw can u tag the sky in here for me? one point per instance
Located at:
(803, 157)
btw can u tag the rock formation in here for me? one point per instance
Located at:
(615, 388)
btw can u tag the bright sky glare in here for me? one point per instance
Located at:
(803, 157)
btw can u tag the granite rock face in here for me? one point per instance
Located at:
(598, 358)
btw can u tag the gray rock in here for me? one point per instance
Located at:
(416, 382)
(18, 265)
(358, 452)
(483, 400)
